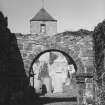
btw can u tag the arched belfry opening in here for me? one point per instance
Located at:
(51, 70)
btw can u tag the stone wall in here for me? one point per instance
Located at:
(79, 47)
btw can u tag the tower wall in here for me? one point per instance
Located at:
(51, 27)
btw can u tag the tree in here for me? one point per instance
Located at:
(99, 49)
(99, 56)
(12, 74)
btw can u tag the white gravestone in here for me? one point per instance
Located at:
(58, 74)
(71, 70)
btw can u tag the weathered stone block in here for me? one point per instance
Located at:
(89, 80)
(26, 37)
(85, 52)
(28, 46)
(27, 61)
(20, 46)
(80, 66)
(31, 56)
(27, 68)
(89, 62)
(82, 86)
(90, 69)
(24, 55)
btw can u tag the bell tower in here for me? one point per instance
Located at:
(43, 23)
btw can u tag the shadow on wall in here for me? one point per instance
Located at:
(13, 81)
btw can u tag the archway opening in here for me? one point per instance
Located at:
(51, 70)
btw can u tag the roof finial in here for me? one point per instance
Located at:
(42, 3)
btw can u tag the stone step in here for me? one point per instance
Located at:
(62, 103)
(59, 100)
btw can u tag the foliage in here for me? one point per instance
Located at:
(12, 73)
(99, 46)
(81, 32)
(101, 96)
(99, 55)
(44, 70)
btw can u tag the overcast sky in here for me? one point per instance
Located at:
(71, 14)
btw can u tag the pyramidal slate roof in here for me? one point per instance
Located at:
(43, 15)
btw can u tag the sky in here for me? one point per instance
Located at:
(71, 14)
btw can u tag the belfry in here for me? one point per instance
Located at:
(43, 23)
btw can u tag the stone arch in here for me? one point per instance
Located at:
(69, 59)
(65, 53)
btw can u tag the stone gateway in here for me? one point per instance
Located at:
(47, 54)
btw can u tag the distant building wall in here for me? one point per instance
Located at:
(50, 28)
